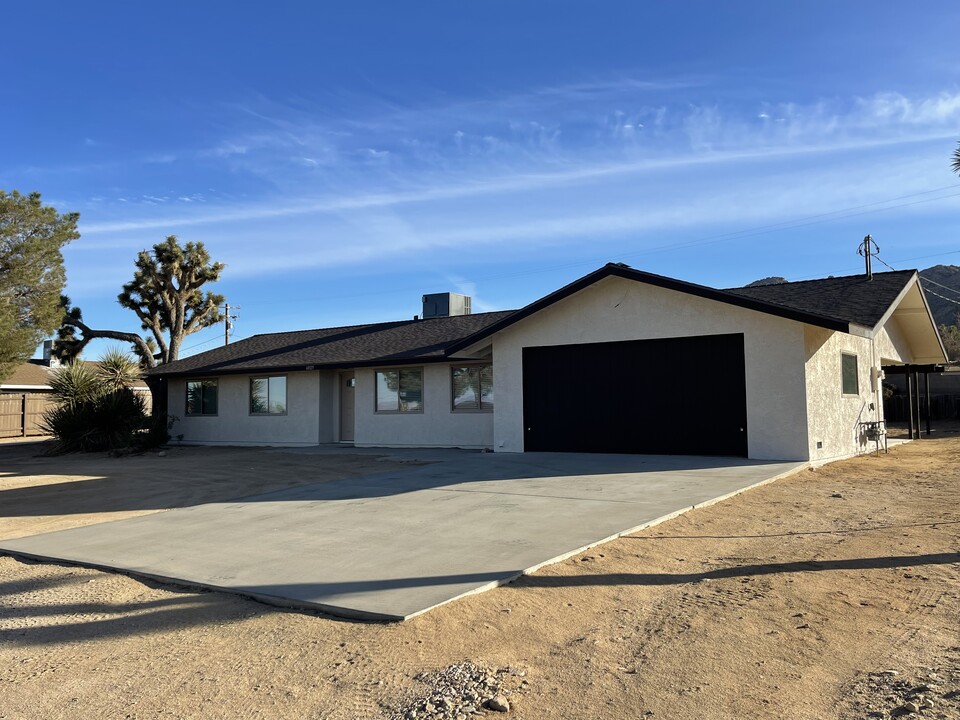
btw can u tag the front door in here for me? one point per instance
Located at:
(347, 408)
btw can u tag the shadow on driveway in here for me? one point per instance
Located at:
(413, 532)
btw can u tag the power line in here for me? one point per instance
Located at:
(205, 342)
(943, 297)
(922, 280)
(945, 287)
(924, 257)
(900, 261)
(885, 262)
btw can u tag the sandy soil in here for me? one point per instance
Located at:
(808, 598)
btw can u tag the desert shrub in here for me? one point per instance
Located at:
(95, 408)
(75, 384)
(116, 370)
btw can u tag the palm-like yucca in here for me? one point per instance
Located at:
(956, 160)
(75, 384)
(117, 370)
(95, 408)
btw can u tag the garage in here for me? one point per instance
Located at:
(675, 396)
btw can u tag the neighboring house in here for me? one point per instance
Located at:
(618, 361)
(26, 395)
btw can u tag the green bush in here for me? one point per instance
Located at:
(95, 408)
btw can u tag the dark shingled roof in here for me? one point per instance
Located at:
(833, 303)
(400, 342)
(851, 298)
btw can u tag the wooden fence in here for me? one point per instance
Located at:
(20, 413)
(942, 407)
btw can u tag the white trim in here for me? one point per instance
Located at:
(893, 306)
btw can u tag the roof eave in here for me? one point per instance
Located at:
(376, 362)
(897, 300)
(628, 273)
(936, 329)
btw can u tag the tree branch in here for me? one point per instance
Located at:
(89, 334)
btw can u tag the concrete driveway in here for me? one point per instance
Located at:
(392, 545)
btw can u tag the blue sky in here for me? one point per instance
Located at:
(344, 160)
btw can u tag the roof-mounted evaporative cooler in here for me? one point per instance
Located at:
(445, 305)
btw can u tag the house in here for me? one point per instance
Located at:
(26, 395)
(618, 361)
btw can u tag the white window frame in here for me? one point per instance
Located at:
(856, 374)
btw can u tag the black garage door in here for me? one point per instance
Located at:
(679, 396)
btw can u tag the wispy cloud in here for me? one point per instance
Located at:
(494, 185)
(626, 121)
(628, 160)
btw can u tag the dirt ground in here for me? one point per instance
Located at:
(833, 593)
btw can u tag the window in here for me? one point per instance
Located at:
(851, 382)
(400, 390)
(268, 395)
(201, 397)
(472, 387)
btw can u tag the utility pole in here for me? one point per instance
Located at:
(867, 249)
(228, 322)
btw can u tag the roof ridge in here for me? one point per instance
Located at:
(813, 280)
(397, 323)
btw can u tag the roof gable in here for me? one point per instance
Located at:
(806, 313)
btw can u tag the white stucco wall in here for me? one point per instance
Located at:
(617, 309)
(436, 426)
(832, 417)
(234, 425)
(891, 344)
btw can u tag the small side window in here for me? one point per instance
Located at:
(851, 379)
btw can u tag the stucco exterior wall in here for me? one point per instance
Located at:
(618, 309)
(834, 419)
(234, 425)
(891, 344)
(436, 426)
